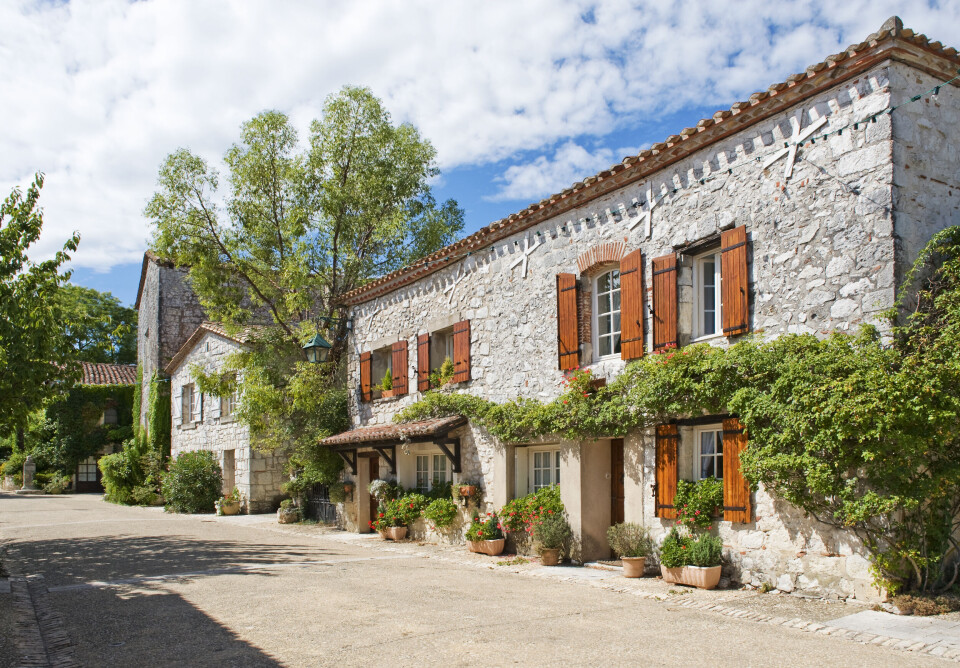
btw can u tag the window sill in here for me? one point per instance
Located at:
(188, 425)
(228, 420)
(708, 337)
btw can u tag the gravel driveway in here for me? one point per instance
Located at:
(138, 587)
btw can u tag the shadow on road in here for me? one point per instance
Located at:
(66, 561)
(151, 626)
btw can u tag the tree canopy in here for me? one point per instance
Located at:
(35, 357)
(98, 326)
(293, 229)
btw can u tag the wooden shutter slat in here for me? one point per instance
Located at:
(631, 306)
(423, 362)
(366, 369)
(400, 371)
(736, 489)
(733, 276)
(668, 439)
(665, 302)
(568, 339)
(461, 351)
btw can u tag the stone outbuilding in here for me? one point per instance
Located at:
(202, 421)
(796, 211)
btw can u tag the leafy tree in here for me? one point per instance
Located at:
(98, 326)
(298, 229)
(34, 354)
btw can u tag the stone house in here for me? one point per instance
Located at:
(168, 312)
(727, 228)
(115, 413)
(202, 421)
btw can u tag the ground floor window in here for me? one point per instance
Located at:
(431, 472)
(87, 470)
(709, 453)
(545, 468)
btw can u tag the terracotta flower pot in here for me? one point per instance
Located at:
(633, 566)
(550, 557)
(230, 508)
(467, 490)
(703, 577)
(674, 575)
(489, 547)
(384, 534)
(348, 487)
(397, 533)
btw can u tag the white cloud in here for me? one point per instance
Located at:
(97, 92)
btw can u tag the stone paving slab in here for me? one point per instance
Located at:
(929, 630)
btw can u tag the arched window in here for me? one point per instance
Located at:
(606, 318)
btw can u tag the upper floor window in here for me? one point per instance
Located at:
(709, 452)
(606, 320)
(228, 404)
(707, 297)
(190, 404)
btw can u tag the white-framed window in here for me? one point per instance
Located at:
(707, 296)
(544, 468)
(606, 314)
(431, 472)
(709, 452)
(190, 405)
(228, 404)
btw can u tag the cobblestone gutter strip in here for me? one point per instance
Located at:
(41, 637)
(939, 650)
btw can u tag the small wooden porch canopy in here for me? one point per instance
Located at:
(384, 439)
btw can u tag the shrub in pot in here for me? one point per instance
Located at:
(288, 513)
(441, 513)
(485, 535)
(551, 534)
(229, 504)
(691, 560)
(632, 543)
(193, 483)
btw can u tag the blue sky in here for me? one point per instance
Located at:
(520, 99)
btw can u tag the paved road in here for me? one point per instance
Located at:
(138, 587)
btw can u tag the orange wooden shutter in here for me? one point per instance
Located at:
(665, 302)
(733, 276)
(423, 362)
(568, 339)
(366, 366)
(461, 351)
(668, 438)
(736, 490)
(400, 371)
(631, 306)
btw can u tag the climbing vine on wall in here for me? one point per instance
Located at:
(861, 433)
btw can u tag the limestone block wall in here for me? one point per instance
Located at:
(926, 152)
(257, 474)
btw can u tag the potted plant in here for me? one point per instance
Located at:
(442, 376)
(441, 513)
(691, 560)
(396, 515)
(288, 512)
(386, 385)
(348, 487)
(698, 503)
(551, 534)
(632, 543)
(485, 535)
(229, 504)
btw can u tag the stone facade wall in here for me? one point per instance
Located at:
(824, 255)
(169, 313)
(926, 151)
(258, 475)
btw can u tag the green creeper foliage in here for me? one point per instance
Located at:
(35, 357)
(441, 513)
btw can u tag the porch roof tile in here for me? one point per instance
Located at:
(407, 431)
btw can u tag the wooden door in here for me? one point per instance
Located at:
(374, 474)
(616, 481)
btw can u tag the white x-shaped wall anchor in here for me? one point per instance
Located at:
(453, 286)
(796, 138)
(527, 249)
(647, 216)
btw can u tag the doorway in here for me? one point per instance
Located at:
(616, 481)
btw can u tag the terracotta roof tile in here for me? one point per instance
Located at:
(108, 374)
(407, 431)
